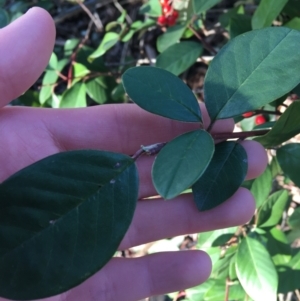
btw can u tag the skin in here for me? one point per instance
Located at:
(29, 134)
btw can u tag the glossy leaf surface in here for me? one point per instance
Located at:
(256, 271)
(266, 13)
(288, 157)
(181, 162)
(161, 92)
(179, 57)
(287, 126)
(62, 219)
(219, 182)
(241, 79)
(272, 209)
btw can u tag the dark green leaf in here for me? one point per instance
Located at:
(256, 271)
(109, 40)
(266, 13)
(289, 275)
(201, 6)
(261, 187)
(4, 18)
(160, 92)
(218, 182)
(181, 162)
(294, 219)
(74, 97)
(271, 211)
(170, 37)
(226, 16)
(287, 126)
(293, 235)
(62, 219)
(239, 24)
(278, 246)
(179, 57)
(241, 79)
(288, 157)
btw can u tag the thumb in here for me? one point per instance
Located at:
(25, 48)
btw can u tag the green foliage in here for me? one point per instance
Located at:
(96, 192)
(68, 203)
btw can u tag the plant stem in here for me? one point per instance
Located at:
(227, 290)
(239, 135)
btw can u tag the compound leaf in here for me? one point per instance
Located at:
(179, 57)
(62, 219)
(181, 162)
(241, 79)
(161, 92)
(218, 182)
(256, 271)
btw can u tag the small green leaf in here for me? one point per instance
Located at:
(287, 126)
(201, 6)
(271, 211)
(261, 187)
(266, 13)
(197, 293)
(170, 37)
(48, 83)
(70, 45)
(110, 39)
(241, 79)
(95, 88)
(53, 61)
(239, 24)
(218, 182)
(256, 271)
(74, 97)
(160, 92)
(181, 162)
(62, 219)
(288, 157)
(179, 57)
(294, 219)
(80, 71)
(151, 8)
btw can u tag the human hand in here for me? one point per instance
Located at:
(30, 134)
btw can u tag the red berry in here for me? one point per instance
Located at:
(164, 2)
(248, 114)
(260, 119)
(171, 21)
(167, 9)
(175, 14)
(162, 20)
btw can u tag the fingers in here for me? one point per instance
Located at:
(158, 219)
(119, 128)
(257, 162)
(26, 46)
(135, 279)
